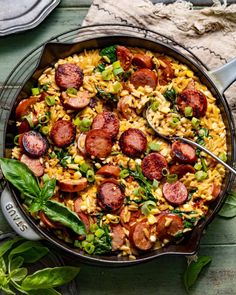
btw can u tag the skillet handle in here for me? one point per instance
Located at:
(15, 218)
(224, 76)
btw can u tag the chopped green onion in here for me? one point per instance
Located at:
(89, 237)
(71, 90)
(201, 175)
(147, 207)
(29, 118)
(116, 64)
(90, 175)
(118, 71)
(136, 191)
(16, 139)
(195, 122)
(76, 121)
(50, 100)
(100, 68)
(154, 146)
(223, 157)
(44, 119)
(188, 112)
(99, 232)
(124, 173)
(89, 248)
(171, 178)
(165, 172)
(154, 106)
(35, 91)
(44, 86)
(175, 121)
(45, 130)
(84, 167)
(155, 183)
(85, 124)
(204, 165)
(117, 86)
(198, 166)
(203, 132)
(107, 73)
(45, 178)
(93, 227)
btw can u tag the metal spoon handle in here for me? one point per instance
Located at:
(206, 151)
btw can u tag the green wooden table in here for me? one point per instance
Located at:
(164, 275)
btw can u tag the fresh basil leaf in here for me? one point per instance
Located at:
(60, 213)
(8, 245)
(193, 270)
(24, 247)
(19, 175)
(50, 277)
(3, 267)
(34, 254)
(229, 208)
(7, 290)
(48, 189)
(19, 274)
(44, 292)
(35, 206)
(15, 263)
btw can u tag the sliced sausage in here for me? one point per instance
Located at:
(192, 98)
(107, 121)
(77, 205)
(24, 127)
(77, 103)
(69, 75)
(167, 72)
(175, 193)
(215, 191)
(144, 77)
(25, 106)
(183, 152)
(117, 235)
(168, 226)
(110, 195)
(142, 61)
(109, 171)
(133, 142)
(33, 164)
(73, 185)
(85, 219)
(34, 144)
(98, 143)
(47, 222)
(124, 56)
(140, 235)
(63, 133)
(153, 165)
(133, 216)
(181, 169)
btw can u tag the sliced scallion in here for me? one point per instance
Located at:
(84, 167)
(99, 232)
(76, 121)
(198, 166)
(155, 183)
(171, 178)
(154, 106)
(203, 132)
(90, 175)
(29, 118)
(223, 157)
(35, 91)
(124, 173)
(188, 112)
(44, 119)
(50, 100)
(71, 90)
(147, 207)
(107, 73)
(85, 124)
(200, 175)
(195, 123)
(204, 165)
(89, 248)
(175, 121)
(165, 172)
(16, 139)
(45, 130)
(117, 87)
(154, 146)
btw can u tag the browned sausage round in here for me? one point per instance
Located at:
(168, 226)
(192, 98)
(133, 142)
(77, 204)
(124, 56)
(109, 171)
(79, 102)
(215, 191)
(63, 133)
(129, 220)
(144, 77)
(181, 169)
(140, 235)
(69, 75)
(47, 222)
(142, 61)
(110, 195)
(167, 72)
(33, 164)
(153, 165)
(98, 143)
(25, 106)
(34, 144)
(73, 185)
(24, 127)
(117, 235)
(85, 219)
(175, 193)
(183, 152)
(107, 121)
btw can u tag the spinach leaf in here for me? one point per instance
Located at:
(100, 68)
(50, 277)
(60, 213)
(19, 274)
(21, 177)
(103, 244)
(229, 208)
(193, 270)
(109, 52)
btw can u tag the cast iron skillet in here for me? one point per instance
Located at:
(26, 226)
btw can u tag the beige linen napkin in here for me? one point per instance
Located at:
(210, 33)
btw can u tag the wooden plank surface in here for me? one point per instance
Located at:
(162, 276)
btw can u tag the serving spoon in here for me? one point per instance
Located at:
(192, 143)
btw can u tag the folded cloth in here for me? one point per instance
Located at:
(210, 33)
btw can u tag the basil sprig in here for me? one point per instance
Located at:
(14, 278)
(193, 270)
(229, 208)
(19, 175)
